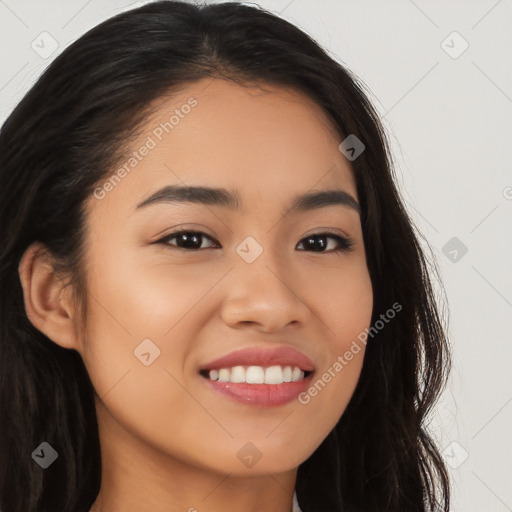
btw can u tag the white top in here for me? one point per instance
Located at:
(296, 507)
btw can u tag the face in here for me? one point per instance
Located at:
(280, 286)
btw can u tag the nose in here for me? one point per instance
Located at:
(264, 295)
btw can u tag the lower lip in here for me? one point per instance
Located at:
(261, 395)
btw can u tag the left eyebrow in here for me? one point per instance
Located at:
(224, 198)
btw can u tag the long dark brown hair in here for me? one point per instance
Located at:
(70, 131)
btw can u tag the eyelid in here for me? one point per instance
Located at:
(180, 228)
(328, 231)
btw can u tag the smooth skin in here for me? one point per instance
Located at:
(169, 443)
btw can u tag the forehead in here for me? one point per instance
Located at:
(269, 144)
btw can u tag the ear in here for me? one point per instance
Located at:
(47, 300)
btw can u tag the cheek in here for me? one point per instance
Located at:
(141, 327)
(138, 337)
(129, 298)
(346, 311)
(344, 302)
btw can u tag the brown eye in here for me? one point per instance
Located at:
(320, 241)
(186, 239)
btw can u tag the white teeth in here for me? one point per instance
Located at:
(237, 374)
(258, 375)
(296, 374)
(224, 375)
(255, 375)
(274, 375)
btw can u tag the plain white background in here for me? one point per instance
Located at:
(441, 79)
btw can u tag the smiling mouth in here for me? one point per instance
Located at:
(275, 374)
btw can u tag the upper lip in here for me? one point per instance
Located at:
(259, 356)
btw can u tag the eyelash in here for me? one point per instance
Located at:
(345, 244)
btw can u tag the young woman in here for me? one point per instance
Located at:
(212, 297)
